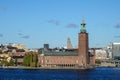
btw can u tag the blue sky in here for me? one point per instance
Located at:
(35, 22)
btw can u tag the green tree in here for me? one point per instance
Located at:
(30, 59)
(11, 63)
(35, 60)
(4, 62)
(16, 62)
(25, 61)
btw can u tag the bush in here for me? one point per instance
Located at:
(98, 61)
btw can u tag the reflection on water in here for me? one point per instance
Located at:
(28, 74)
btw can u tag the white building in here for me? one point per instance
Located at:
(33, 50)
(116, 49)
(100, 54)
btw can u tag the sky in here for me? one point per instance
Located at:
(38, 22)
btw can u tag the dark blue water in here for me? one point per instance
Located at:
(28, 74)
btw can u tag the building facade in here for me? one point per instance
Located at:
(109, 51)
(116, 50)
(100, 54)
(69, 59)
(83, 45)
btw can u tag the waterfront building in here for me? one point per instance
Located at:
(5, 57)
(77, 58)
(92, 56)
(83, 45)
(109, 51)
(100, 54)
(116, 50)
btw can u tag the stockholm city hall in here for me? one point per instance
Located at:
(83, 44)
(69, 59)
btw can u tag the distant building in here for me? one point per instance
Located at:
(46, 47)
(109, 51)
(13, 48)
(116, 49)
(100, 54)
(33, 50)
(19, 57)
(5, 57)
(20, 46)
(69, 44)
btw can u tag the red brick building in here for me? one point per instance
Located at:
(69, 59)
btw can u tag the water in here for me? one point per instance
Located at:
(28, 74)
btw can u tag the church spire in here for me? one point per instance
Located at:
(83, 28)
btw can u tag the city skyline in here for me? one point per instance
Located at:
(35, 23)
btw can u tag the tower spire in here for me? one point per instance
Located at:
(83, 28)
(83, 22)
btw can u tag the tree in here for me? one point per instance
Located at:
(4, 62)
(16, 62)
(30, 59)
(25, 60)
(11, 63)
(35, 60)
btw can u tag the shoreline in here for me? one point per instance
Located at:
(52, 68)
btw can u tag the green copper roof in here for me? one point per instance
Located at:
(83, 28)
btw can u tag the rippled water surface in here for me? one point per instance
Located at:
(33, 74)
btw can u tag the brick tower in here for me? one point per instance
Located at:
(83, 46)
